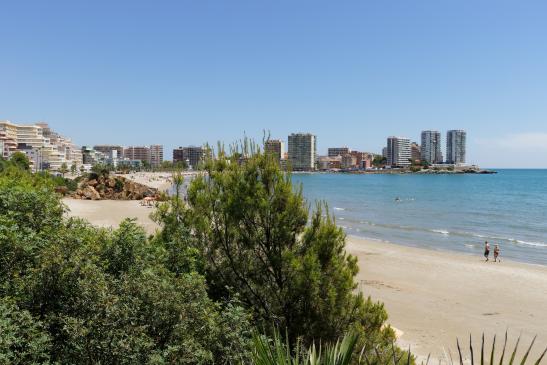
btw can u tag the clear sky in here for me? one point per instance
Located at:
(351, 72)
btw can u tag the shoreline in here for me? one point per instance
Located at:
(431, 296)
(443, 249)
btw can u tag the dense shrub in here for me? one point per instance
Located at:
(89, 295)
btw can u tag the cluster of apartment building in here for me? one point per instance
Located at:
(133, 157)
(345, 159)
(45, 148)
(301, 154)
(48, 150)
(401, 152)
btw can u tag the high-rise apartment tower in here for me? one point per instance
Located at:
(302, 151)
(431, 147)
(456, 146)
(398, 151)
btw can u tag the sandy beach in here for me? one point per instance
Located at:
(157, 180)
(110, 213)
(435, 296)
(432, 297)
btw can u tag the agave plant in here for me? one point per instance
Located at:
(492, 352)
(278, 352)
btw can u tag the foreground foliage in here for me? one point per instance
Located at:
(72, 293)
(246, 228)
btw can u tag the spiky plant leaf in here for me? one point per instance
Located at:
(482, 349)
(493, 350)
(514, 352)
(541, 357)
(504, 347)
(459, 351)
(471, 350)
(528, 351)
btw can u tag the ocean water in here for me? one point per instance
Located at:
(441, 212)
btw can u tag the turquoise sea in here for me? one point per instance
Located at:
(441, 212)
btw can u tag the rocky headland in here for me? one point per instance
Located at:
(111, 188)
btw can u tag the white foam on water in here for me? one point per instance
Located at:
(513, 240)
(528, 243)
(441, 231)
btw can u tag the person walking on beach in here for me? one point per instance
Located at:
(496, 253)
(486, 250)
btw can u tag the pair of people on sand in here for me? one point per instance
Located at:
(487, 252)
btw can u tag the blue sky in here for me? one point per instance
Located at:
(352, 72)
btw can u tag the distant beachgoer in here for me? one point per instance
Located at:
(496, 253)
(486, 250)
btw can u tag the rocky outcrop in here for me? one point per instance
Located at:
(112, 188)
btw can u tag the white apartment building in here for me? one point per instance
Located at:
(456, 147)
(44, 155)
(398, 151)
(431, 147)
(71, 153)
(45, 148)
(302, 151)
(8, 138)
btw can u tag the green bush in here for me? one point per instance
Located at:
(118, 185)
(80, 294)
(23, 339)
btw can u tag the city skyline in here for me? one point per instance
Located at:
(302, 153)
(352, 74)
(297, 149)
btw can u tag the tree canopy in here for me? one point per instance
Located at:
(255, 240)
